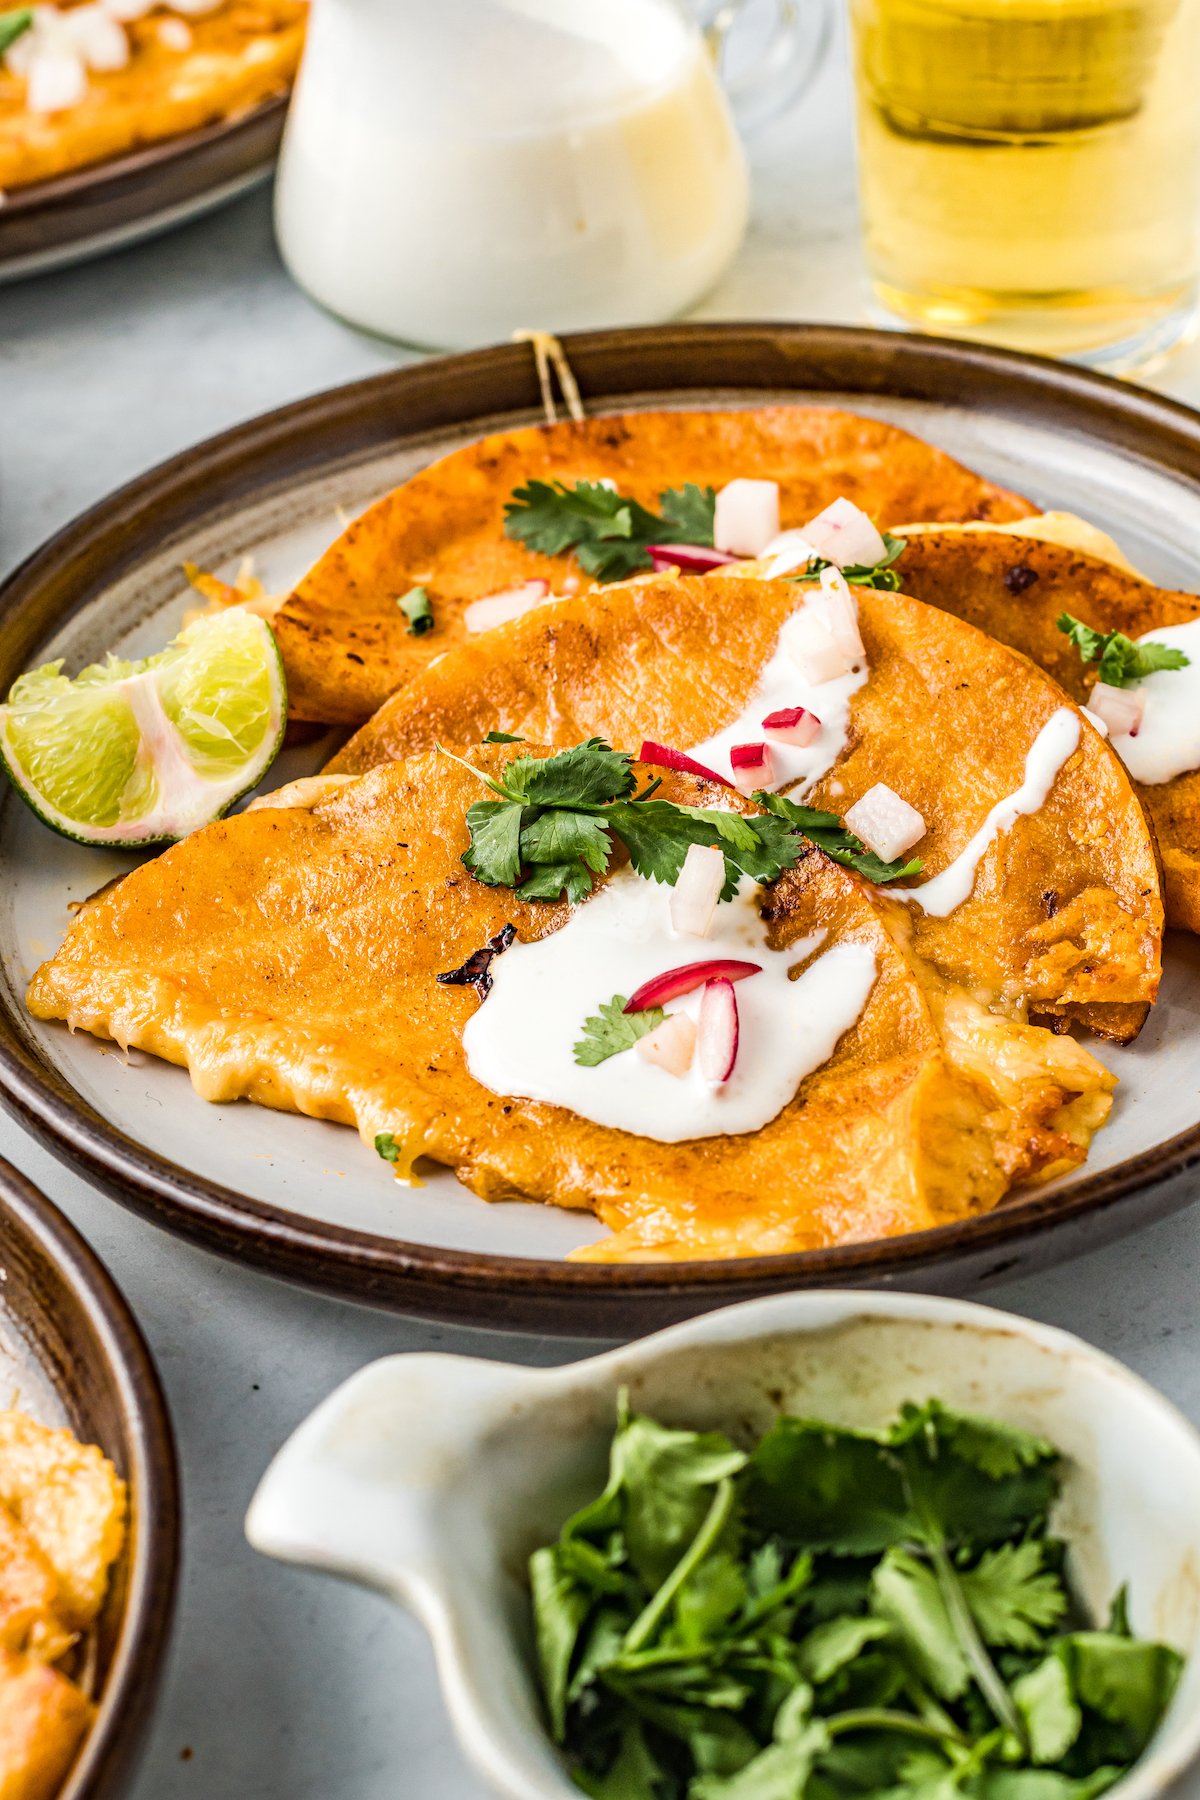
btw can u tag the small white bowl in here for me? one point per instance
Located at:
(432, 1478)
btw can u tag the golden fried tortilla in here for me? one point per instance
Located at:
(983, 577)
(240, 54)
(1066, 913)
(288, 956)
(43, 1718)
(71, 1502)
(346, 644)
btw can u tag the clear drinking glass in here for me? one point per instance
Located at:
(1030, 170)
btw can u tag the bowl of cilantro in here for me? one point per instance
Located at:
(815, 1547)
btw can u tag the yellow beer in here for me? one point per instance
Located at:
(1030, 169)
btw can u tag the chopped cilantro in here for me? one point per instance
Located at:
(831, 1614)
(1122, 662)
(612, 1029)
(501, 737)
(826, 831)
(387, 1147)
(607, 531)
(550, 828)
(416, 607)
(13, 25)
(869, 575)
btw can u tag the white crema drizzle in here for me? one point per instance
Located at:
(521, 1040)
(1054, 743)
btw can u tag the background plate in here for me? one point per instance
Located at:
(70, 1354)
(53, 223)
(305, 1199)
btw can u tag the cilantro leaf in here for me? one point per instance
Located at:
(829, 1647)
(612, 1029)
(416, 607)
(826, 831)
(1045, 1702)
(607, 531)
(1128, 1682)
(829, 1488)
(13, 25)
(657, 835)
(1122, 662)
(501, 737)
(550, 881)
(906, 1593)
(634, 1774)
(590, 774)
(560, 836)
(688, 513)
(880, 575)
(387, 1147)
(560, 1607)
(1013, 1598)
(494, 856)
(665, 1480)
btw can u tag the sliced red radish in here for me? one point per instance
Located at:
(661, 756)
(719, 1030)
(686, 978)
(746, 516)
(792, 725)
(689, 559)
(844, 535)
(671, 1045)
(1122, 709)
(842, 613)
(886, 824)
(753, 767)
(791, 550)
(509, 603)
(696, 893)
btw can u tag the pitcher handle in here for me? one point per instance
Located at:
(786, 65)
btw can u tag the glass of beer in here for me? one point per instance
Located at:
(1030, 171)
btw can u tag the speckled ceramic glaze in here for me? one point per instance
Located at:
(432, 1478)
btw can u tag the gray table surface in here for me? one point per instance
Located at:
(283, 1685)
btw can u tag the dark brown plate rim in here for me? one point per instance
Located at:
(133, 1676)
(348, 424)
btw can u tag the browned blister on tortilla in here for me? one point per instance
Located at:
(1015, 588)
(345, 642)
(1066, 913)
(290, 957)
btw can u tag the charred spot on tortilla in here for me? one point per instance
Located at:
(476, 972)
(1019, 578)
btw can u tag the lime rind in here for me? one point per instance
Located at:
(140, 753)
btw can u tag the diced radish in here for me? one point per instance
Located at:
(696, 893)
(1122, 709)
(886, 824)
(791, 550)
(57, 81)
(792, 725)
(671, 1045)
(686, 978)
(843, 534)
(746, 516)
(753, 767)
(809, 642)
(719, 1031)
(661, 756)
(99, 38)
(689, 559)
(176, 35)
(842, 612)
(510, 603)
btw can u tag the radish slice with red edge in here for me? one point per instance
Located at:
(661, 756)
(792, 725)
(1121, 709)
(686, 979)
(718, 1031)
(753, 767)
(689, 559)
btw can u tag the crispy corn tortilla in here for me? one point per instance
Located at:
(346, 644)
(967, 575)
(1066, 914)
(241, 54)
(43, 1718)
(288, 956)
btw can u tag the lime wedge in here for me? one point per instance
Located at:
(145, 752)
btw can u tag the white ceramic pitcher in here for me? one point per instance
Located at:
(455, 170)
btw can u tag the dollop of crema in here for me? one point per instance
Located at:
(521, 1041)
(1050, 749)
(1167, 743)
(780, 684)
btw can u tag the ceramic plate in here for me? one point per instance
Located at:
(305, 1199)
(72, 217)
(70, 1354)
